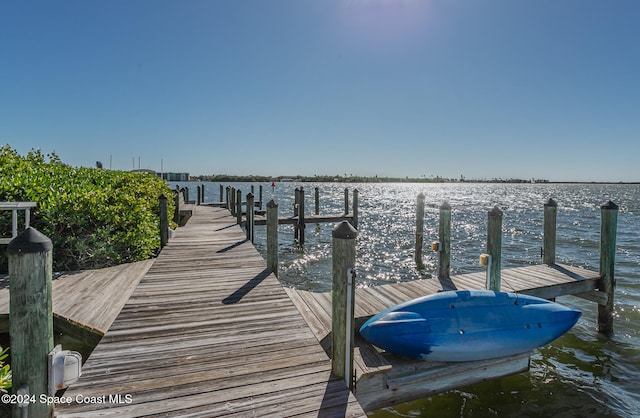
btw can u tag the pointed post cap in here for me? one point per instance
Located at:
(551, 203)
(445, 206)
(272, 204)
(344, 231)
(609, 205)
(30, 241)
(496, 212)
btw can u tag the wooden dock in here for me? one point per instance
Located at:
(209, 331)
(85, 303)
(384, 379)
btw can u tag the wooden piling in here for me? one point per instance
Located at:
(272, 236)
(198, 195)
(250, 213)
(238, 206)
(444, 237)
(608, 235)
(343, 301)
(30, 319)
(296, 208)
(301, 221)
(164, 220)
(355, 209)
(494, 247)
(221, 193)
(346, 201)
(176, 212)
(260, 196)
(202, 194)
(233, 201)
(419, 231)
(549, 234)
(317, 201)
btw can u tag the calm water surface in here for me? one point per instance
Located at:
(582, 374)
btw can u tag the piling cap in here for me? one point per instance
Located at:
(551, 203)
(344, 231)
(609, 205)
(495, 211)
(445, 206)
(272, 204)
(29, 242)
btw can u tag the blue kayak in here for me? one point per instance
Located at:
(468, 325)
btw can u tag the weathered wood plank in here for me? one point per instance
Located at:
(86, 303)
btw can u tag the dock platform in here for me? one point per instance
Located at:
(384, 379)
(209, 331)
(85, 303)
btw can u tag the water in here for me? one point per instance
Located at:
(582, 373)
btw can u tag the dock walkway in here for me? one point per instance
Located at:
(209, 332)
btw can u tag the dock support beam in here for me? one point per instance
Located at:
(609, 222)
(30, 319)
(272, 236)
(419, 231)
(549, 237)
(444, 237)
(494, 248)
(343, 301)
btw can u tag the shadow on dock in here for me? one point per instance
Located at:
(237, 296)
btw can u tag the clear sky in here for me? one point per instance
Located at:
(480, 88)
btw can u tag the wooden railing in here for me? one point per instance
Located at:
(15, 207)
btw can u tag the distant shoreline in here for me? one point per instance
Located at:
(224, 178)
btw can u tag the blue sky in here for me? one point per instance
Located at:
(483, 88)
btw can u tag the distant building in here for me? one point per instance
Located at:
(174, 176)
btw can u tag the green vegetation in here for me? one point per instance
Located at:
(5, 371)
(95, 218)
